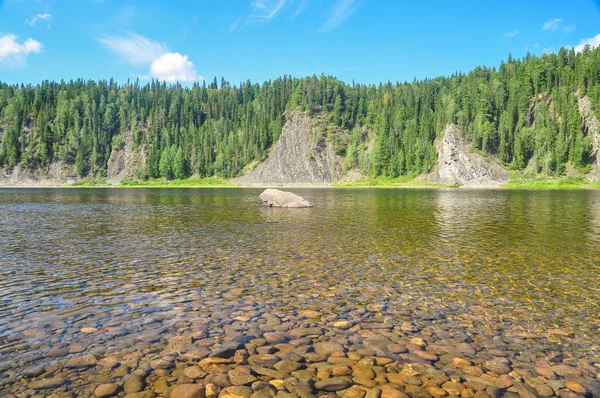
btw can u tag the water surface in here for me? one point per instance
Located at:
(141, 264)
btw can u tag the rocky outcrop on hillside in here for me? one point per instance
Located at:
(124, 162)
(458, 164)
(301, 156)
(56, 174)
(591, 127)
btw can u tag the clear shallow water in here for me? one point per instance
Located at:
(142, 266)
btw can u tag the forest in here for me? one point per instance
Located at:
(524, 112)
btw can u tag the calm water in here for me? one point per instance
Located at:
(141, 264)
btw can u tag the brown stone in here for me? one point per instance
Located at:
(388, 391)
(188, 391)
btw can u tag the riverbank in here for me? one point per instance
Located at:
(518, 182)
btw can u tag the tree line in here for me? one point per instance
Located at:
(525, 112)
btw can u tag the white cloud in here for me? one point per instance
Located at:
(592, 42)
(135, 49)
(512, 34)
(39, 18)
(341, 11)
(569, 28)
(14, 54)
(552, 24)
(174, 67)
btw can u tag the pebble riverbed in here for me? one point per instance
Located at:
(371, 293)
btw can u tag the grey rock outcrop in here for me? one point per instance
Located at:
(277, 198)
(457, 164)
(591, 127)
(125, 161)
(300, 156)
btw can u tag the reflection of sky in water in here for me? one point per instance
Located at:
(140, 262)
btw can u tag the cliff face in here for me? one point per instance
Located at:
(56, 174)
(301, 156)
(124, 162)
(591, 127)
(458, 164)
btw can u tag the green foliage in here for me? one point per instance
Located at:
(524, 112)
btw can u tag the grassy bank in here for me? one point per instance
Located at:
(397, 182)
(188, 182)
(547, 182)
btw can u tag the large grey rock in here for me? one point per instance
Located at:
(277, 198)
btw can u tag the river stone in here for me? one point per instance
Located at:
(263, 360)
(225, 350)
(544, 390)
(142, 394)
(277, 198)
(161, 364)
(188, 391)
(33, 371)
(160, 386)
(274, 338)
(46, 384)
(575, 386)
(388, 391)
(332, 384)
(352, 392)
(498, 366)
(85, 361)
(524, 390)
(286, 366)
(327, 347)
(566, 370)
(240, 378)
(342, 324)
(194, 372)
(106, 390)
(212, 390)
(133, 383)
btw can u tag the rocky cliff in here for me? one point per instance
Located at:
(459, 164)
(591, 127)
(124, 162)
(301, 156)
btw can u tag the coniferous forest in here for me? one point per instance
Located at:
(525, 112)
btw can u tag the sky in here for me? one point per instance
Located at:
(367, 41)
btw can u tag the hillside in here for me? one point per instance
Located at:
(535, 115)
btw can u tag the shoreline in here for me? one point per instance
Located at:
(517, 183)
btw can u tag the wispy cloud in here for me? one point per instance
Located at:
(512, 34)
(301, 7)
(135, 49)
(340, 12)
(552, 24)
(555, 24)
(592, 42)
(235, 24)
(39, 18)
(13, 53)
(163, 65)
(264, 11)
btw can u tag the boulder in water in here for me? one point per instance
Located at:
(277, 198)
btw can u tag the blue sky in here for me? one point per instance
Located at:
(363, 40)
